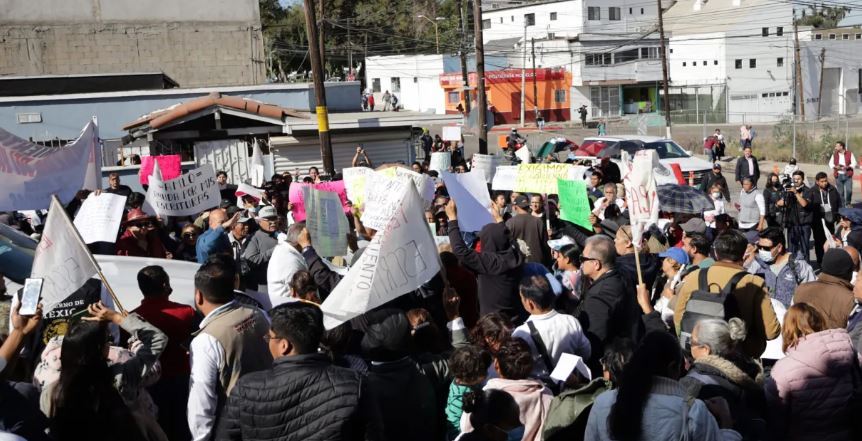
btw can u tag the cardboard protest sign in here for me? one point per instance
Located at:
(354, 184)
(400, 258)
(186, 195)
(382, 199)
(99, 217)
(295, 196)
(574, 203)
(326, 222)
(540, 178)
(169, 165)
(440, 161)
(451, 133)
(61, 259)
(470, 193)
(641, 194)
(505, 177)
(523, 154)
(30, 173)
(487, 164)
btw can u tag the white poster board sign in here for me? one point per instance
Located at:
(505, 177)
(187, 195)
(440, 161)
(487, 164)
(470, 193)
(451, 133)
(326, 222)
(98, 219)
(382, 199)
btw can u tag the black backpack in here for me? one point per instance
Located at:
(706, 304)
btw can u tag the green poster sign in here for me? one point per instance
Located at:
(574, 203)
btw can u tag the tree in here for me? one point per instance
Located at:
(823, 17)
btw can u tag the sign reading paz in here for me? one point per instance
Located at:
(189, 194)
(540, 178)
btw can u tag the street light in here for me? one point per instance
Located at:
(436, 35)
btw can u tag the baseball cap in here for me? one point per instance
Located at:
(522, 202)
(267, 212)
(556, 244)
(676, 254)
(694, 225)
(752, 236)
(716, 166)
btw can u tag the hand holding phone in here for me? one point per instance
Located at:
(30, 296)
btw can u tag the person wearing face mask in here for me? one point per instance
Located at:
(780, 269)
(771, 195)
(751, 207)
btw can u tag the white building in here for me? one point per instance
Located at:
(842, 71)
(731, 56)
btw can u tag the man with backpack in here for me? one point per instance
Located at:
(726, 290)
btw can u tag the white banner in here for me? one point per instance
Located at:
(98, 219)
(256, 166)
(229, 155)
(187, 195)
(505, 177)
(326, 222)
(487, 164)
(470, 193)
(61, 258)
(30, 173)
(641, 194)
(440, 161)
(382, 199)
(398, 260)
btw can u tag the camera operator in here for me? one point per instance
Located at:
(826, 201)
(797, 218)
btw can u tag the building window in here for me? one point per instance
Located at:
(737, 63)
(530, 19)
(704, 62)
(779, 31)
(859, 36)
(415, 80)
(752, 63)
(785, 93)
(625, 56)
(642, 11)
(598, 59)
(671, 50)
(614, 13)
(512, 19)
(780, 61)
(594, 13)
(715, 62)
(29, 118)
(501, 20)
(764, 95)
(553, 16)
(650, 53)
(630, 11)
(818, 36)
(454, 97)
(845, 36)
(831, 36)
(551, 35)
(683, 64)
(375, 85)
(486, 24)
(765, 32)
(396, 84)
(560, 96)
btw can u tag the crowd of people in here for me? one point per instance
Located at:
(707, 326)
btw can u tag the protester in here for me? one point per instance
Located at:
(779, 268)
(772, 193)
(566, 267)
(626, 263)
(610, 197)
(214, 241)
(698, 250)
(811, 391)
(751, 206)
(239, 237)
(187, 249)
(529, 229)
(286, 260)
(314, 174)
(260, 247)
(230, 343)
(469, 366)
(140, 238)
(537, 206)
(843, 163)
(650, 402)
(825, 202)
(715, 178)
(494, 415)
(115, 187)
(226, 191)
(831, 294)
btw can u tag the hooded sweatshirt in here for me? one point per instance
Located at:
(533, 398)
(498, 267)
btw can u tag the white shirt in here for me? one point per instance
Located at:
(560, 333)
(750, 165)
(285, 262)
(709, 216)
(841, 161)
(598, 207)
(761, 207)
(206, 355)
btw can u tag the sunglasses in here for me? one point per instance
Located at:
(765, 248)
(144, 224)
(189, 235)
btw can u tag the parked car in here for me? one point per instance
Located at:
(669, 152)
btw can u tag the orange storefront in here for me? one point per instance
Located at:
(503, 89)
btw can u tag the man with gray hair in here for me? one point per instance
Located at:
(608, 309)
(286, 261)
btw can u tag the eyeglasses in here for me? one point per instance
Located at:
(583, 259)
(190, 235)
(267, 338)
(145, 224)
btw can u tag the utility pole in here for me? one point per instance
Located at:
(321, 35)
(663, 49)
(524, 74)
(462, 43)
(800, 92)
(820, 93)
(481, 100)
(535, 86)
(349, 50)
(319, 90)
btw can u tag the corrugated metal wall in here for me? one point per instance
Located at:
(301, 152)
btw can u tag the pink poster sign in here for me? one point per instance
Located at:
(295, 196)
(168, 164)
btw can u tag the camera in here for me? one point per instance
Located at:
(786, 182)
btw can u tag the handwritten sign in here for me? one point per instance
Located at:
(504, 177)
(470, 193)
(451, 133)
(641, 193)
(574, 203)
(98, 219)
(325, 221)
(540, 178)
(487, 164)
(354, 184)
(295, 196)
(169, 165)
(382, 199)
(186, 195)
(440, 161)
(424, 184)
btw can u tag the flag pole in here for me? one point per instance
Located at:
(83, 245)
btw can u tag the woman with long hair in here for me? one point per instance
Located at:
(809, 390)
(86, 401)
(651, 404)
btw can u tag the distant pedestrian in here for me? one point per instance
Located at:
(719, 152)
(842, 163)
(582, 111)
(744, 136)
(364, 102)
(387, 101)
(370, 102)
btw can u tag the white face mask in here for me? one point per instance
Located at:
(716, 195)
(765, 255)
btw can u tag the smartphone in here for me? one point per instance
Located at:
(30, 297)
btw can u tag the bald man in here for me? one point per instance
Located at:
(215, 240)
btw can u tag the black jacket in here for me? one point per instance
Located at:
(710, 179)
(650, 269)
(405, 400)
(498, 267)
(816, 199)
(742, 170)
(303, 397)
(609, 310)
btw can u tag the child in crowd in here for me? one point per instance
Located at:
(469, 366)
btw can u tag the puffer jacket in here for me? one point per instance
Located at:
(302, 397)
(809, 388)
(739, 380)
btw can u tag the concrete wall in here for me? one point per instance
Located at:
(841, 58)
(196, 42)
